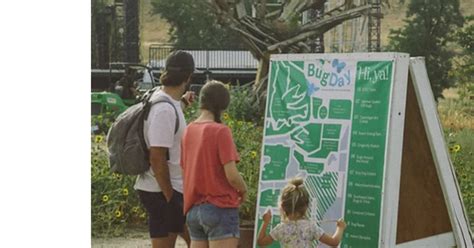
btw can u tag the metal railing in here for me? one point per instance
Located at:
(206, 60)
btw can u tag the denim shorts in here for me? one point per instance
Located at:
(208, 222)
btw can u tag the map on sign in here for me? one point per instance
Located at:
(326, 121)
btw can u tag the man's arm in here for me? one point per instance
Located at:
(159, 165)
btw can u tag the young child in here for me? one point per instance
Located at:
(296, 230)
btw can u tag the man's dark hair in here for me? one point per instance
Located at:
(179, 67)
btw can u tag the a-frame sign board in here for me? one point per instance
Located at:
(363, 131)
(430, 210)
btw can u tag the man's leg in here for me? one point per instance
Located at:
(172, 239)
(162, 242)
(175, 219)
(185, 236)
(156, 205)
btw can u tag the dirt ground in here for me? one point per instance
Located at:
(135, 239)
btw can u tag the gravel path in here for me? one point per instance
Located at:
(135, 239)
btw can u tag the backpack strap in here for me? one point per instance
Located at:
(160, 100)
(146, 111)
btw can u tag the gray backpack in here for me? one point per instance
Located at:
(127, 149)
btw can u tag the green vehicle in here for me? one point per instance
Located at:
(104, 102)
(107, 105)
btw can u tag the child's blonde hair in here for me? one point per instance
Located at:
(294, 198)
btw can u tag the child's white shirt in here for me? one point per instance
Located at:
(300, 233)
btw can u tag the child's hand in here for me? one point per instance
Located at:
(341, 224)
(267, 216)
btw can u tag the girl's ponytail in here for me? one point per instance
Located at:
(214, 97)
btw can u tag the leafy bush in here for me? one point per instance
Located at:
(461, 148)
(114, 204)
(102, 123)
(248, 139)
(242, 107)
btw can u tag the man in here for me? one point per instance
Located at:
(160, 188)
(125, 87)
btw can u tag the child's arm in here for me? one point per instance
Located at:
(336, 237)
(263, 238)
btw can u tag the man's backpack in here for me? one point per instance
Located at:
(127, 149)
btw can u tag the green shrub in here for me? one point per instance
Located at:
(461, 148)
(248, 139)
(102, 123)
(114, 203)
(241, 105)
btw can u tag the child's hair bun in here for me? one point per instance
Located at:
(297, 181)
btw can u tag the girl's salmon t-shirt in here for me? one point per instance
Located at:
(205, 148)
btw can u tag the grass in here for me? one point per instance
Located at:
(458, 122)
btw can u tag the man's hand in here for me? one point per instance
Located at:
(267, 216)
(188, 97)
(168, 195)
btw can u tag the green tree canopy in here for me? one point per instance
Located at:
(195, 26)
(429, 27)
(462, 72)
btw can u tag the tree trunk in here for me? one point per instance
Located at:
(270, 32)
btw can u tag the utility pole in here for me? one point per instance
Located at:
(374, 19)
(132, 44)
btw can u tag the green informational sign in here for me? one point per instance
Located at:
(327, 121)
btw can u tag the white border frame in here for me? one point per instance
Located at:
(389, 215)
(394, 143)
(446, 174)
(437, 241)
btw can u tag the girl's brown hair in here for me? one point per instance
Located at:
(295, 198)
(214, 97)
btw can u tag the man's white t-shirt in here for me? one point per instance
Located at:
(159, 130)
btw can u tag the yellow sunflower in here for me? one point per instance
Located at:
(125, 192)
(105, 198)
(457, 148)
(226, 116)
(253, 154)
(135, 209)
(118, 213)
(99, 138)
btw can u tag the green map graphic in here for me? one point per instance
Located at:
(313, 107)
